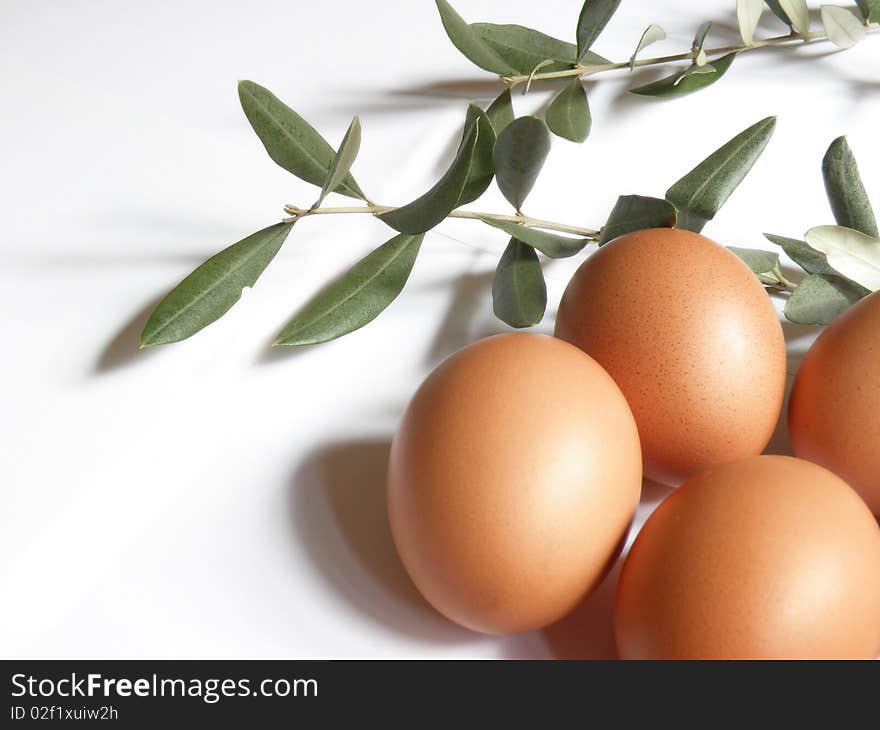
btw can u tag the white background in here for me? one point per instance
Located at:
(216, 499)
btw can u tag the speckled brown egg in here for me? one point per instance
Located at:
(834, 411)
(766, 557)
(512, 482)
(693, 341)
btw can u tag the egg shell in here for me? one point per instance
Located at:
(692, 339)
(834, 411)
(513, 479)
(767, 557)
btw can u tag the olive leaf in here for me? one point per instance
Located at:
(500, 111)
(777, 10)
(845, 190)
(798, 14)
(344, 159)
(820, 299)
(870, 10)
(568, 115)
(356, 298)
(748, 15)
(636, 213)
(290, 140)
(762, 263)
(471, 44)
(691, 80)
(482, 166)
(701, 192)
(594, 16)
(810, 260)
(519, 293)
(652, 34)
(520, 153)
(210, 291)
(549, 244)
(850, 252)
(699, 41)
(434, 206)
(842, 27)
(524, 48)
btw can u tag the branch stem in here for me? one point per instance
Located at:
(582, 71)
(296, 213)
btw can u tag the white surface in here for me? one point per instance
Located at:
(212, 499)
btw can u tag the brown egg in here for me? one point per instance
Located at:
(834, 411)
(512, 482)
(766, 557)
(693, 341)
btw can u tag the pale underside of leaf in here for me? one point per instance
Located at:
(748, 14)
(519, 293)
(852, 253)
(652, 34)
(843, 29)
(357, 298)
(213, 288)
(798, 14)
(549, 244)
(344, 159)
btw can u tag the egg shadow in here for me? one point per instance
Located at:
(588, 631)
(339, 518)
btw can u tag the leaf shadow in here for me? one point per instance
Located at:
(588, 631)
(339, 518)
(124, 348)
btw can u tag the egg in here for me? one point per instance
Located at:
(512, 482)
(688, 333)
(834, 411)
(766, 557)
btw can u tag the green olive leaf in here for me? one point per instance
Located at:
(356, 298)
(524, 48)
(344, 159)
(434, 206)
(482, 168)
(870, 10)
(519, 293)
(636, 213)
(702, 192)
(652, 34)
(853, 254)
(520, 153)
(762, 263)
(500, 111)
(798, 14)
(748, 15)
(820, 299)
(692, 79)
(471, 43)
(845, 190)
(811, 261)
(778, 11)
(290, 140)
(568, 115)
(594, 16)
(700, 41)
(842, 27)
(210, 291)
(549, 244)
